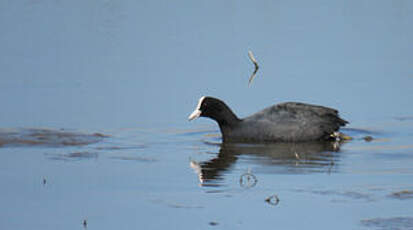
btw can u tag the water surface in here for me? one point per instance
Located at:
(94, 98)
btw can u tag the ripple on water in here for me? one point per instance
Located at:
(399, 223)
(27, 137)
(74, 156)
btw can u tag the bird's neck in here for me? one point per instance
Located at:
(227, 123)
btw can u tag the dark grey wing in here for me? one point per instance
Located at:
(309, 120)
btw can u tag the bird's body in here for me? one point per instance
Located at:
(285, 122)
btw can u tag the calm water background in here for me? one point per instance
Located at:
(134, 70)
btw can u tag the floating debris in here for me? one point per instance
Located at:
(368, 138)
(273, 200)
(248, 180)
(100, 135)
(402, 195)
(254, 61)
(213, 223)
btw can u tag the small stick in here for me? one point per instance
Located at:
(254, 61)
(273, 200)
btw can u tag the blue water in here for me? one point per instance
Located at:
(119, 79)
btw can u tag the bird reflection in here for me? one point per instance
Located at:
(280, 158)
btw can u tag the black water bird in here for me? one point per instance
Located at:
(285, 122)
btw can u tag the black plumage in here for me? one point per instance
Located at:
(285, 122)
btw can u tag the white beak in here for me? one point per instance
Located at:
(194, 115)
(197, 112)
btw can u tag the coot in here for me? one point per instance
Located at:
(285, 122)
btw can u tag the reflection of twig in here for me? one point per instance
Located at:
(254, 61)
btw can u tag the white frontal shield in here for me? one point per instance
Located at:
(197, 112)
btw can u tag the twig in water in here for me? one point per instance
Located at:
(254, 61)
(273, 200)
